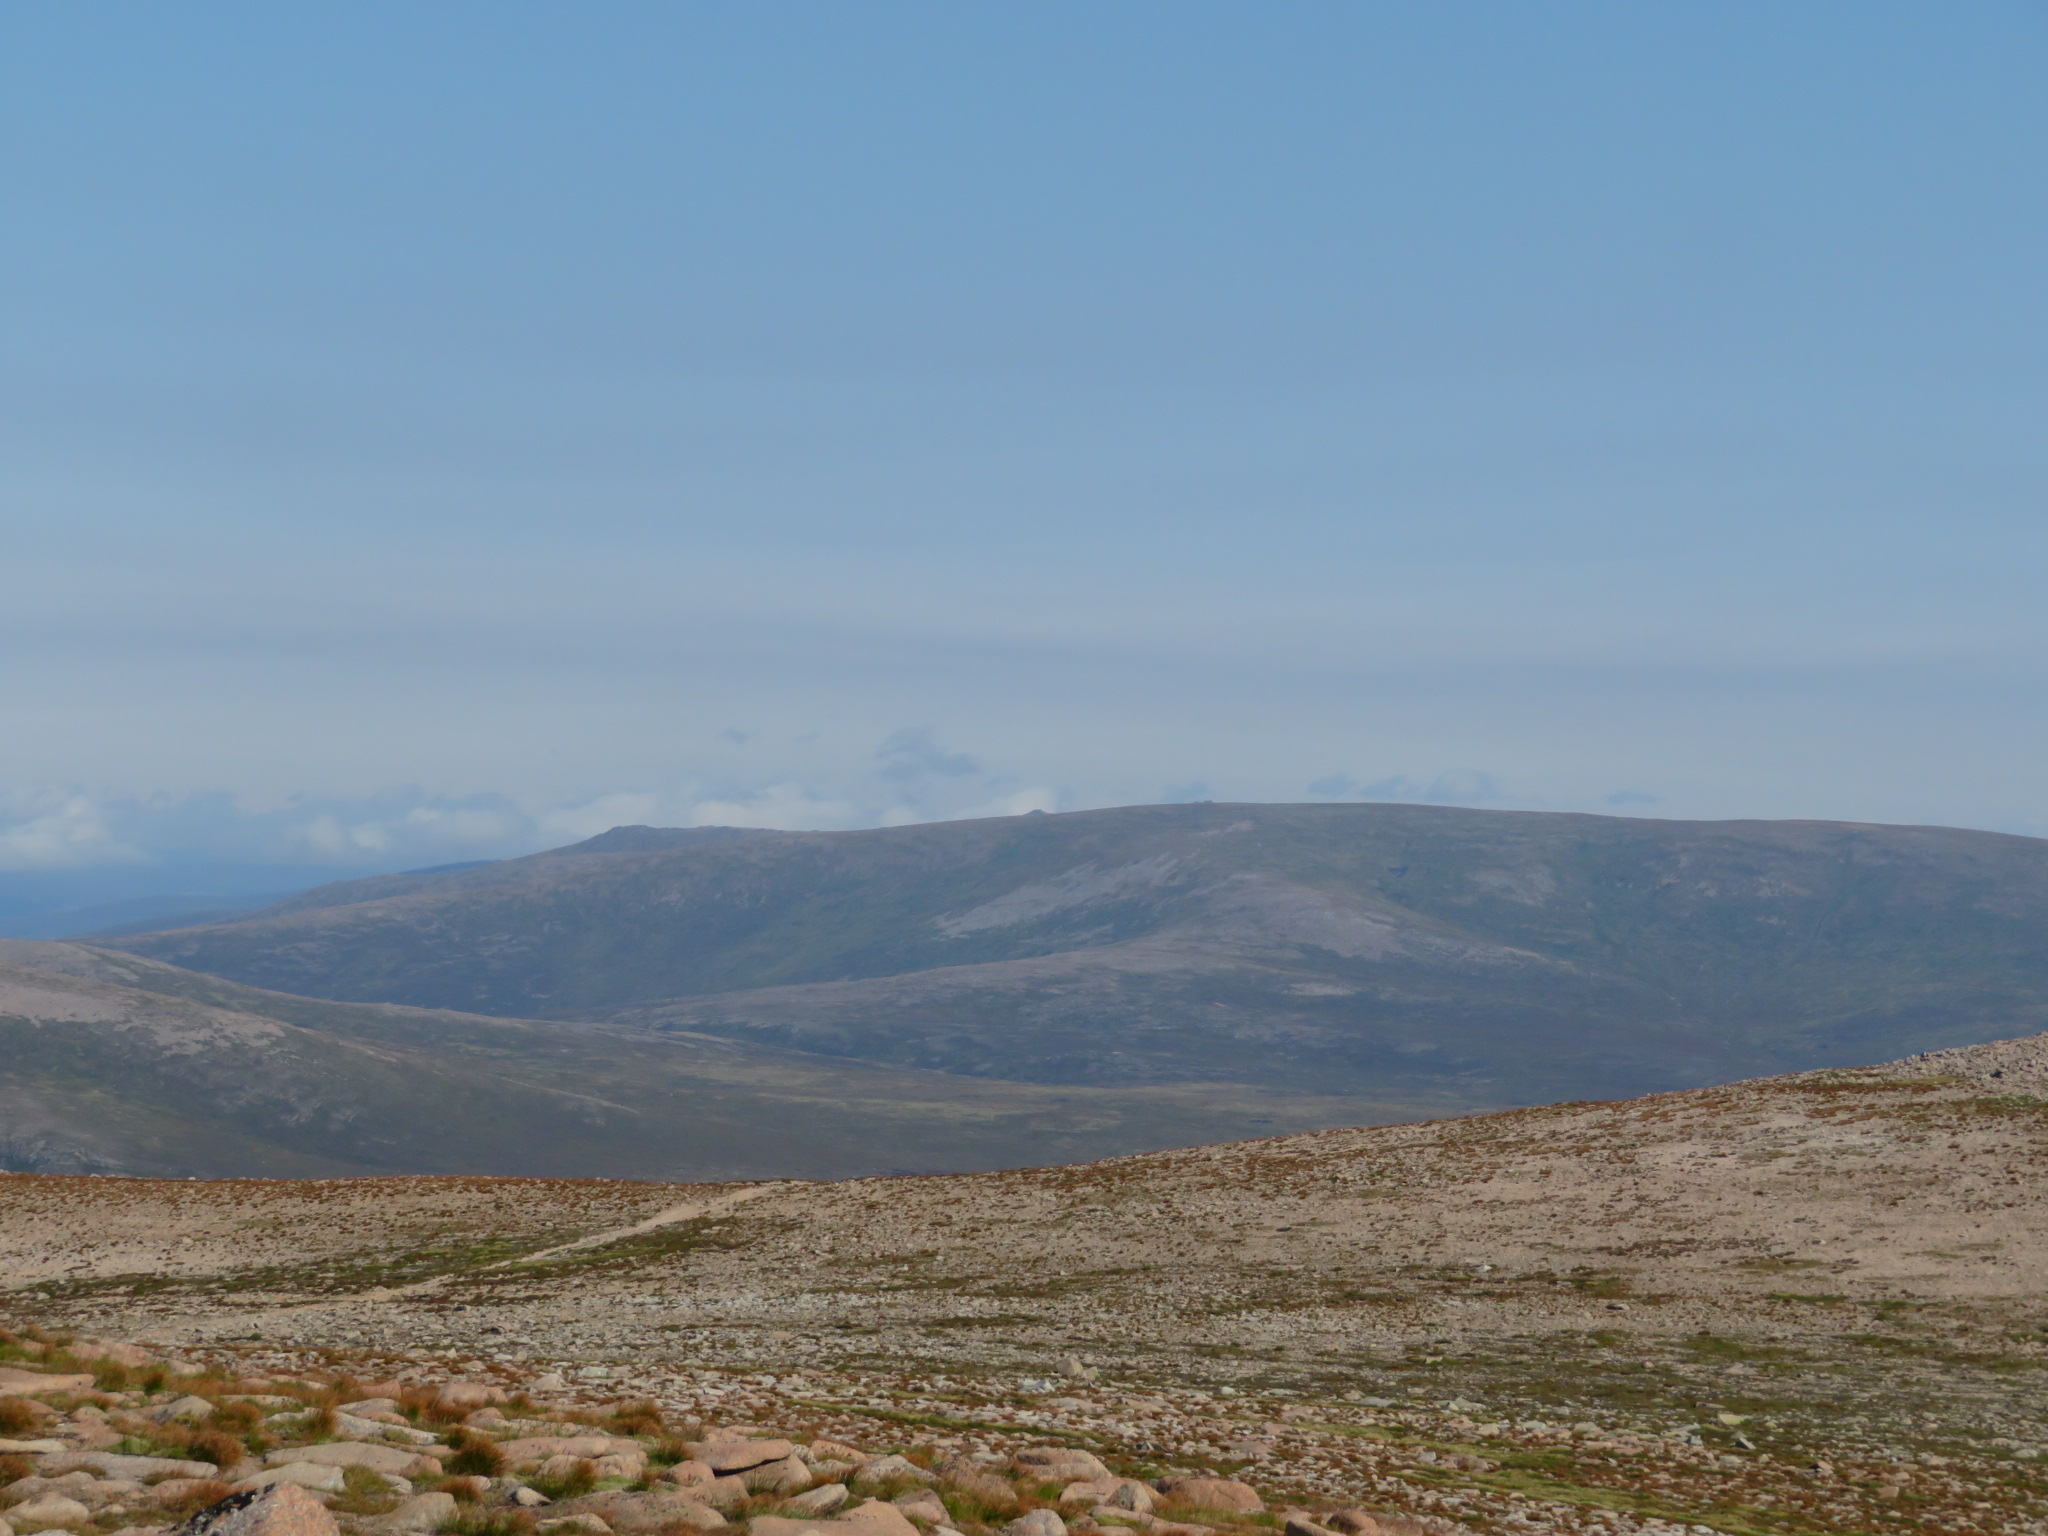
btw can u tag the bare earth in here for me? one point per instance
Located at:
(1808, 1303)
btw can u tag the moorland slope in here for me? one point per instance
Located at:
(1805, 1304)
(111, 1063)
(1395, 951)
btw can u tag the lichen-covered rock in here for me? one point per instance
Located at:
(789, 1475)
(821, 1502)
(738, 1455)
(874, 1518)
(356, 1453)
(318, 1476)
(471, 1394)
(535, 1448)
(924, 1507)
(882, 1469)
(976, 1482)
(48, 1511)
(36, 1383)
(1061, 1463)
(283, 1509)
(726, 1493)
(421, 1512)
(188, 1409)
(1214, 1493)
(662, 1509)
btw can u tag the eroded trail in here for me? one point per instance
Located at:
(694, 1210)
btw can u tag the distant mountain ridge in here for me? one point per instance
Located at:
(1386, 950)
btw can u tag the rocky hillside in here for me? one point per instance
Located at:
(111, 1063)
(1399, 952)
(1808, 1304)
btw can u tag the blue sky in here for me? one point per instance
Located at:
(439, 431)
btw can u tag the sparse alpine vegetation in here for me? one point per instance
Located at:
(1802, 1306)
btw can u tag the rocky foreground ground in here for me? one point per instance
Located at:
(1803, 1304)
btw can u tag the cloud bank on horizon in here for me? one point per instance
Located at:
(830, 417)
(913, 779)
(400, 826)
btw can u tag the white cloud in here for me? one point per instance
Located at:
(911, 779)
(1456, 786)
(587, 818)
(68, 835)
(784, 807)
(1016, 803)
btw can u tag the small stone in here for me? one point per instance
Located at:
(188, 1409)
(1040, 1522)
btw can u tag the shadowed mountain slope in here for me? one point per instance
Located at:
(113, 1063)
(1377, 949)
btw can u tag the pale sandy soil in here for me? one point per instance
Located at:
(1850, 1262)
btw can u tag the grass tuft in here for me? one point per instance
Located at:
(475, 1456)
(476, 1521)
(200, 1493)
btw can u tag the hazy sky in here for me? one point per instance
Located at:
(442, 430)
